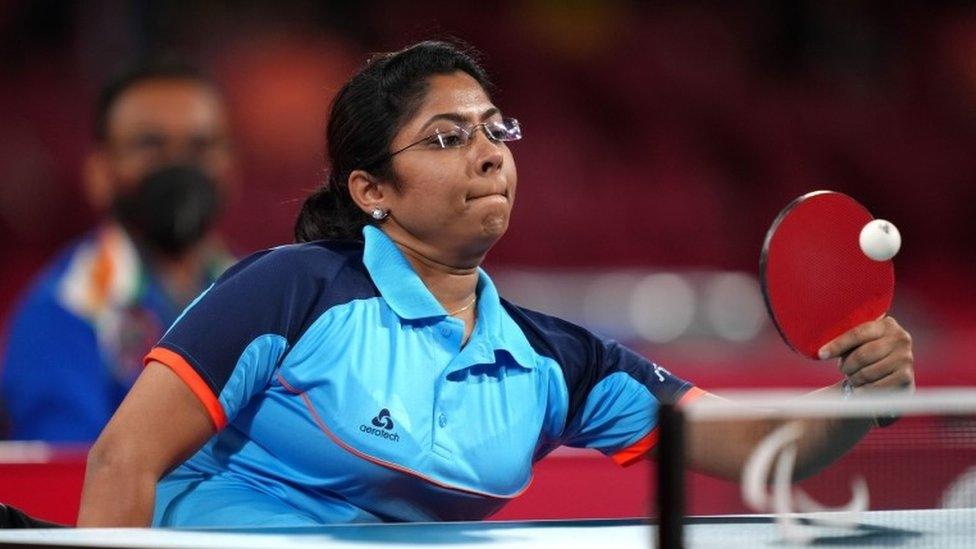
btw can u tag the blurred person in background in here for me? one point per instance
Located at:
(161, 166)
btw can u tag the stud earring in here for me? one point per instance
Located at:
(379, 213)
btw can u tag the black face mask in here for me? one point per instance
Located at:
(170, 210)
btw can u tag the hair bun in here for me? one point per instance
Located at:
(325, 216)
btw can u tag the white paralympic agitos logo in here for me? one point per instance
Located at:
(777, 454)
(658, 372)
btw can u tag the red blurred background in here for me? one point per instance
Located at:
(659, 139)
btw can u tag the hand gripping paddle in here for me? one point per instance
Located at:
(816, 280)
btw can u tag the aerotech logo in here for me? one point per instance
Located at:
(382, 425)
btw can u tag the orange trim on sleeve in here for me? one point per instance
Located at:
(633, 453)
(182, 368)
(690, 396)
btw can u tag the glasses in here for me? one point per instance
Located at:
(506, 129)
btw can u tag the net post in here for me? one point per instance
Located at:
(670, 477)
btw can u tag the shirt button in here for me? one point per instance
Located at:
(445, 331)
(442, 420)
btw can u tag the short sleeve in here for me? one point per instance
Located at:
(618, 401)
(609, 395)
(228, 342)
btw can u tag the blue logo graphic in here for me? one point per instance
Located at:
(383, 420)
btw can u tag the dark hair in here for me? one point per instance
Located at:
(159, 68)
(365, 116)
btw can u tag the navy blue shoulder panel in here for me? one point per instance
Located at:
(586, 359)
(279, 291)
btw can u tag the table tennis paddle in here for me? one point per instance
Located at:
(816, 280)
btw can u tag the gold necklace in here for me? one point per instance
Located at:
(465, 308)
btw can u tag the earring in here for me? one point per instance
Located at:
(379, 213)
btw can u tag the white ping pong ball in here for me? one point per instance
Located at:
(880, 240)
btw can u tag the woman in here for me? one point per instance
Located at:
(372, 373)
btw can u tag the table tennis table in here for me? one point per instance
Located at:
(910, 528)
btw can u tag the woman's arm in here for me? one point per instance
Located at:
(721, 448)
(158, 425)
(874, 355)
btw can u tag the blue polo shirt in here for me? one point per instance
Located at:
(341, 392)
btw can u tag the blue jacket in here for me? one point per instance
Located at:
(76, 341)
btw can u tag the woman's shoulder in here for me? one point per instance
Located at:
(551, 335)
(310, 261)
(543, 321)
(320, 256)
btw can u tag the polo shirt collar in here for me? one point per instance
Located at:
(409, 298)
(395, 278)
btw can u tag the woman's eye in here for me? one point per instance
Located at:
(497, 130)
(450, 139)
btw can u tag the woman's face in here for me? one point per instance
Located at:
(456, 201)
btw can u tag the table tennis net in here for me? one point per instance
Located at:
(924, 460)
